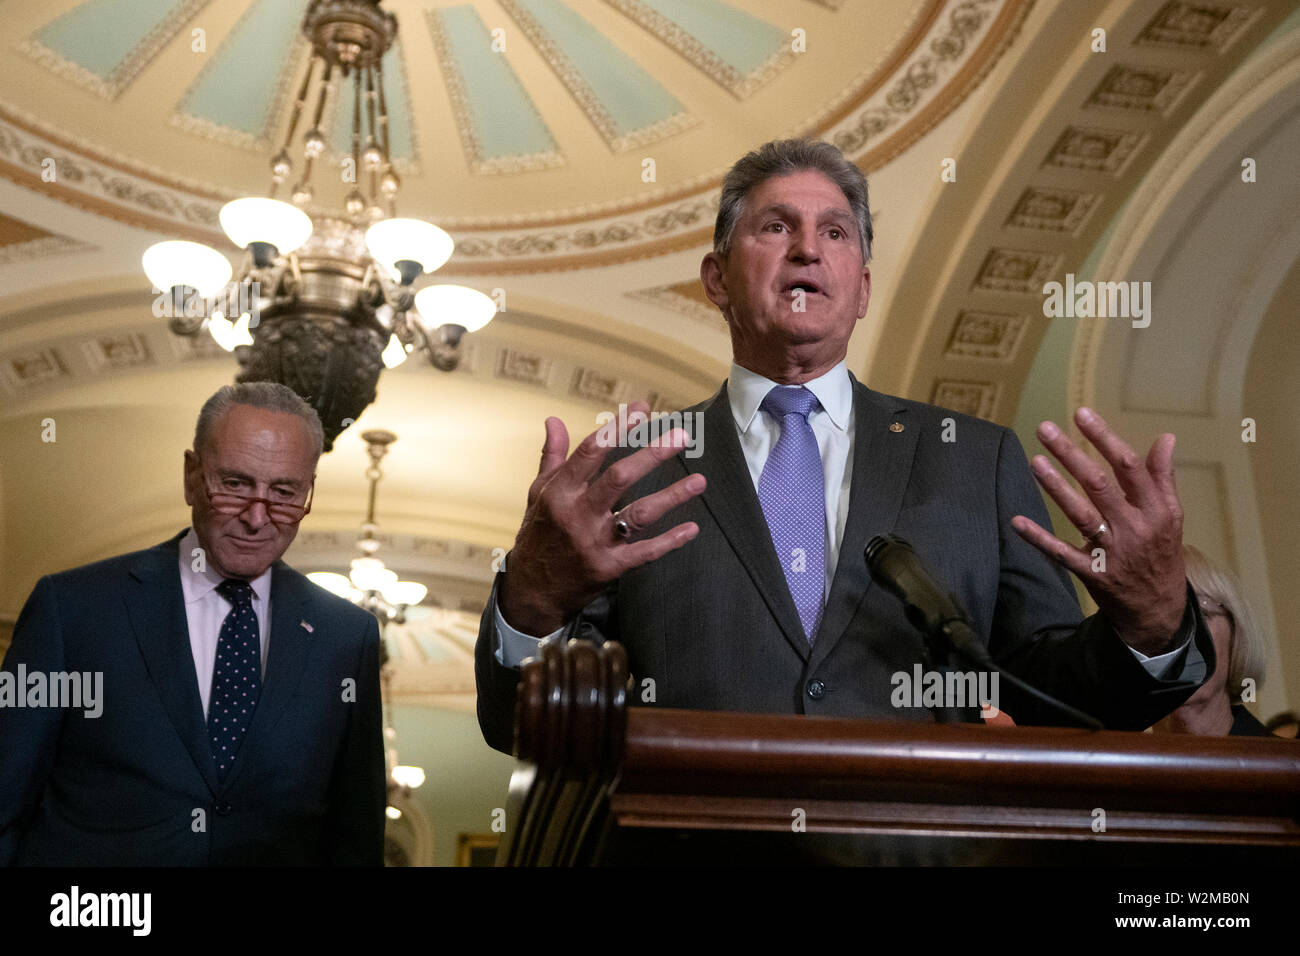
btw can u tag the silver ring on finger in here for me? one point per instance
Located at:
(1101, 529)
(622, 530)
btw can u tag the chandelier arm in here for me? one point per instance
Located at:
(356, 122)
(278, 174)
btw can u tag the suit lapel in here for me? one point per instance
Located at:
(156, 609)
(733, 502)
(289, 645)
(882, 463)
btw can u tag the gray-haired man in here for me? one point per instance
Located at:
(736, 579)
(240, 715)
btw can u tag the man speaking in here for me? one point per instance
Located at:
(736, 579)
(240, 720)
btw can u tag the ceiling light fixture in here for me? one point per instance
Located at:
(323, 304)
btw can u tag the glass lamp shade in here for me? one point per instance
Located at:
(177, 262)
(369, 574)
(276, 223)
(230, 334)
(334, 583)
(394, 354)
(454, 305)
(405, 593)
(391, 241)
(409, 777)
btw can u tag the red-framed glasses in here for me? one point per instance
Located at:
(277, 509)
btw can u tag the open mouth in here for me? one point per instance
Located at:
(804, 286)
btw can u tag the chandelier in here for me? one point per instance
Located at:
(323, 304)
(370, 584)
(374, 587)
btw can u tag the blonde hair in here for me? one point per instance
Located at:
(1246, 656)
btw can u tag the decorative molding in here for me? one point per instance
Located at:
(118, 351)
(1052, 210)
(592, 385)
(1095, 150)
(462, 113)
(28, 151)
(526, 368)
(120, 77)
(292, 65)
(43, 248)
(666, 297)
(740, 85)
(34, 366)
(970, 398)
(1196, 26)
(1149, 88)
(1017, 270)
(918, 82)
(586, 97)
(986, 335)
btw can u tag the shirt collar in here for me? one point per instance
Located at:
(746, 391)
(196, 585)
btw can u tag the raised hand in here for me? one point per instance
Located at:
(569, 548)
(1134, 517)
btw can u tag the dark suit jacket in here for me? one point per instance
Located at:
(137, 786)
(714, 626)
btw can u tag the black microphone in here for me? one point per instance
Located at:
(937, 615)
(931, 610)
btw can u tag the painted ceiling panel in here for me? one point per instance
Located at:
(112, 39)
(396, 98)
(499, 124)
(239, 87)
(627, 104)
(733, 47)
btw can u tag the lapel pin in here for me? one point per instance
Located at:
(896, 427)
(307, 627)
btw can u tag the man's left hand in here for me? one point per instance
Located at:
(1134, 518)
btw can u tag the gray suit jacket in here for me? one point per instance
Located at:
(714, 627)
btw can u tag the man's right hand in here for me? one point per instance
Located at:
(567, 550)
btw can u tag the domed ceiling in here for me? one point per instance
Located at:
(535, 130)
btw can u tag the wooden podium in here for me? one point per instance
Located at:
(600, 782)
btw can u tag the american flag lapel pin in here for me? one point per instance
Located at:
(307, 627)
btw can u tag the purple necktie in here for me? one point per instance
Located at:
(792, 491)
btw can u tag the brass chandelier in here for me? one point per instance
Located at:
(324, 304)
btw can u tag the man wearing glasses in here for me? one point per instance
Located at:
(240, 720)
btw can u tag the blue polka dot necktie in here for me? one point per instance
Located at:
(792, 491)
(237, 676)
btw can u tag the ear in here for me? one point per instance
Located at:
(864, 292)
(713, 276)
(193, 478)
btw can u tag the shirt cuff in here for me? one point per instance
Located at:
(1160, 665)
(511, 648)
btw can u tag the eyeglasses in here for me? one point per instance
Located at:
(277, 510)
(1211, 608)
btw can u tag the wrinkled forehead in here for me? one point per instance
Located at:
(260, 443)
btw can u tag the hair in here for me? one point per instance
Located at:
(781, 158)
(1246, 657)
(271, 396)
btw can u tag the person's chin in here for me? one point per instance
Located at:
(246, 560)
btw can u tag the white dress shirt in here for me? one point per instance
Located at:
(832, 424)
(206, 610)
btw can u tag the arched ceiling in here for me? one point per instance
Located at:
(527, 126)
(544, 195)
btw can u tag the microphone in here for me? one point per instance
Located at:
(940, 619)
(932, 611)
